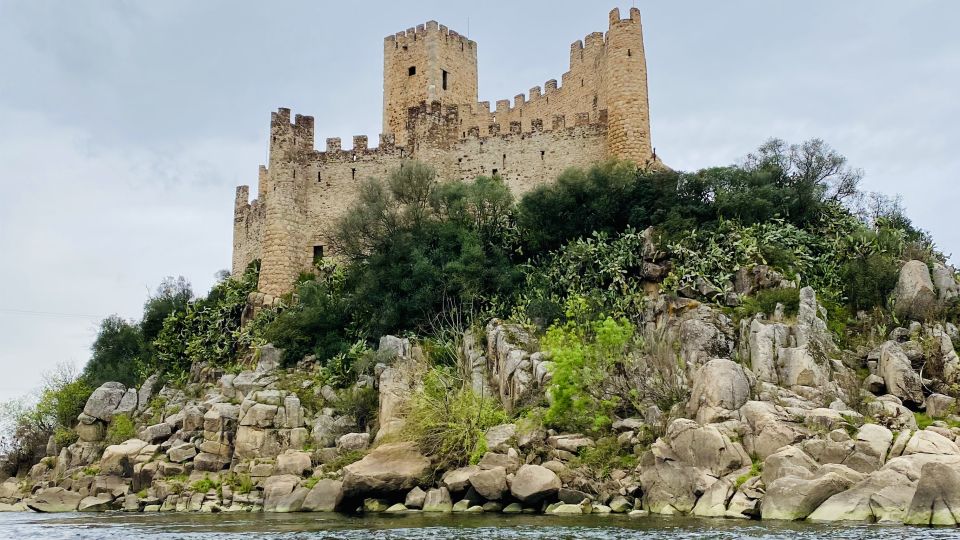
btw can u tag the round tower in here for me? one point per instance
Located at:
(625, 82)
(425, 64)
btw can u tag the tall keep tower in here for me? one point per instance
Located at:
(425, 64)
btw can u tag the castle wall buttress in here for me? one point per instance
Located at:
(628, 108)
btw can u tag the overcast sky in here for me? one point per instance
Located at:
(125, 126)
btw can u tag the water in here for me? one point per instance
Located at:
(25, 526)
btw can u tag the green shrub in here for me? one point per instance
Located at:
(361, 404)
(447, 419)
(607, 455)
(311, 482)
(583, 355)
(64, 437)
(766, 301)
(121, 429)
(204, 485)
(208, 330)
(343, 460)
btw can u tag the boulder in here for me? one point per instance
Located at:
(500, 437)
(793, 498)
(180, 452)
(914, 295)
(324, 497)
(415, 498)
(294, 463)
(55, 499)
(353, 442)
(570, 443)
(270, 358)
(103, 402)
(788, 461)
(940, 405)
(882, 496)
(283, 494)
(702, 446)
(490, 484)
(936, 500)
(146, 391)
(930, 442)
(533, 483)
(720, 387)
(437, 500)
(945, 282)
(458, 480)
(396, 384)
(898, 375)
(671, 488)
(156, 433)
(387, 469)
(118, 459)
(100, 503)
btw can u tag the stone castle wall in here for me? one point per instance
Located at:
(599, 111)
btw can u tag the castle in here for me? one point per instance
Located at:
(431, 113)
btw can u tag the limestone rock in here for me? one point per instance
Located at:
(940, 405)
(490, 484)
(282, 494)
(103, 402)
(788, 461)
(937, 498)
(118, 459)
(353, 441)
(914, 296)
(415, 498)
(55, 499)
(898, 374)
(720, 387)
(294, 463)
(704, 447)
(882, 496)
(156, 433)
(930, 442)
(181, 452)
(792, 498)
(437, 500)
(500, 437)
(387, 469)
(458, 480)
(670, 488)
(100, 503)
(533, 483)
(324, 497)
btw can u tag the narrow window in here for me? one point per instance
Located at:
(412, 71)
(496, 172)
(319, 176)
(294, 173)
(353, 173)
(317, 254)
(504, 163)
(628, 52)
(543, 153)
(444, 78)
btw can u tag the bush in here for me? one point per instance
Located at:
(117, 353)
(765, 301)
(607, 455)
(584, 354)
(208, 330)
(417, 246)
(362, 404)
(121, 429)
(317, 324)
(447, 419)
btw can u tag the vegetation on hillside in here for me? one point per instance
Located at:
(429, 258)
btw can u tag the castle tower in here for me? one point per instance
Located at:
(625, 85)
(283, 189)
(425, 64)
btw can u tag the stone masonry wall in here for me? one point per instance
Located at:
(599, 111)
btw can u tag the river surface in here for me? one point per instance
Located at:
(119, 526)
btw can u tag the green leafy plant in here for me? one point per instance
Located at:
(448, 419)
(583, 354)
(121, 429)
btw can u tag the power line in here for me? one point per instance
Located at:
(46, 313)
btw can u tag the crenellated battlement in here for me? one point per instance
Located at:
(598, 109)
(420, 32)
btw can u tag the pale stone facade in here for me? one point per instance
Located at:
(431, 113)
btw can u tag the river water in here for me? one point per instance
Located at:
(118, 526)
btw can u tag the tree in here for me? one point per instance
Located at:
(117, 353)
(173, 294)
